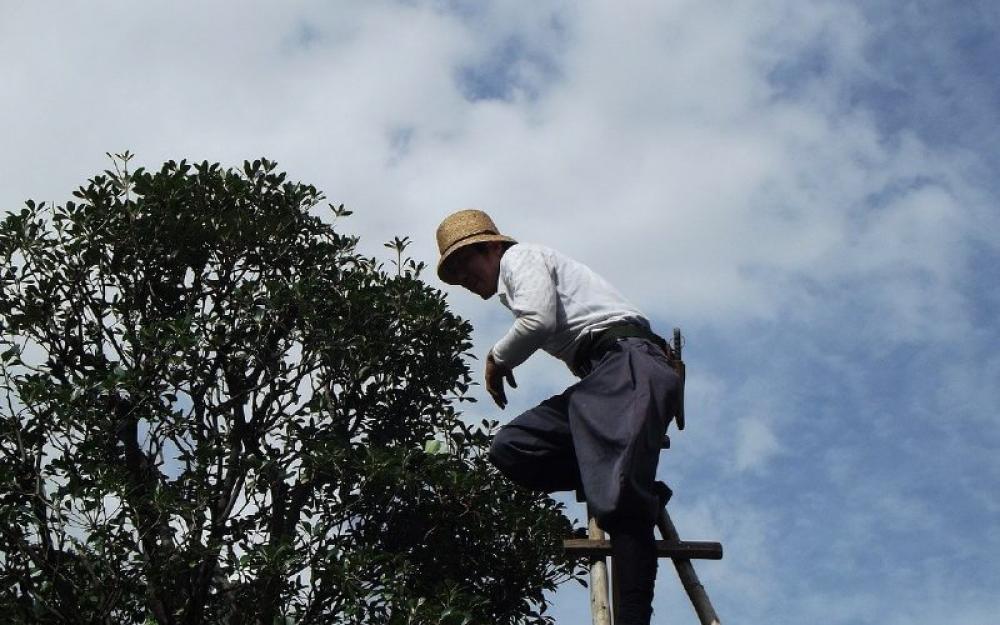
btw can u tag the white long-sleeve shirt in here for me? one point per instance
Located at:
(556, 302)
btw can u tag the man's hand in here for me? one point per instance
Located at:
(495, 374)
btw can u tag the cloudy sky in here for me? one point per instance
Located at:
(808, 188)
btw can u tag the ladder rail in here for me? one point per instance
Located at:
(689, 578)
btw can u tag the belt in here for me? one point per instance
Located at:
(598, 343)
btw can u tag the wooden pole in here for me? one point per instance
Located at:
(616, 596)
(689, 579)
(599, 608)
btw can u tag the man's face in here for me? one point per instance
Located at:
(477, 268)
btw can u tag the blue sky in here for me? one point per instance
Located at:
(808, 189)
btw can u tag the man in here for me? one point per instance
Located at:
(603, 433)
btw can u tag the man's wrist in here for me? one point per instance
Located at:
(496, 361)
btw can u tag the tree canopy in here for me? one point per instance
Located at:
(217, 411)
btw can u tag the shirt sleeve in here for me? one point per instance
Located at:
(531, 296)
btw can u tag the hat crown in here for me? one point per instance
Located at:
(462, 225)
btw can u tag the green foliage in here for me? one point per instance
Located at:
(217, 411)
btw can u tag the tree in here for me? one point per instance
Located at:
(217, 411)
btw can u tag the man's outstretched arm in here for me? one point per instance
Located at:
(531, 296)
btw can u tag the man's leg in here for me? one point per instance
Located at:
(604, 433)
(633, 547)
(535, 449)
(618, 415)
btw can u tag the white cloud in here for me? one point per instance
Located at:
(756, 444)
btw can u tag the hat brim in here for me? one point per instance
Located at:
(444, 271)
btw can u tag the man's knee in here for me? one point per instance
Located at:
(509, 456)
(502, 452)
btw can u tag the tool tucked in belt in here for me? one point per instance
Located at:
(597, 344)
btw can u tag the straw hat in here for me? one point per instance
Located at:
(461, 229)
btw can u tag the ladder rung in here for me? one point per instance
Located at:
(684, 550)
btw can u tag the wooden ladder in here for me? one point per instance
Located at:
(597, 547)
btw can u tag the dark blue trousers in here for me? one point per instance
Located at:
(603, 435)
